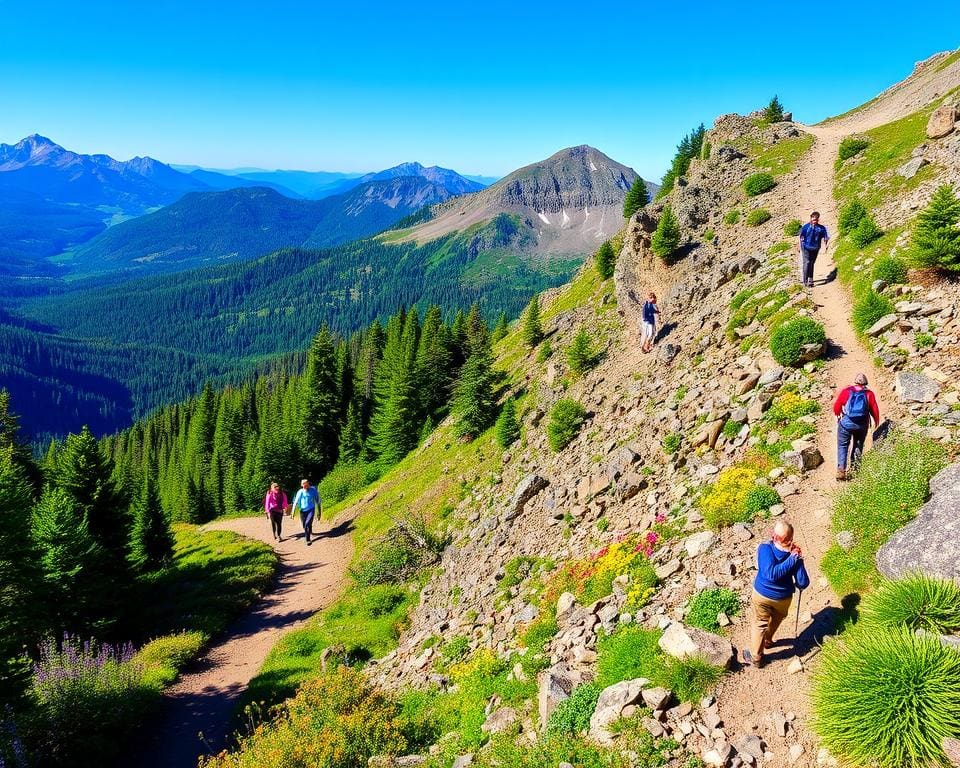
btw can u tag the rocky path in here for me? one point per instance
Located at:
(203, 700)
(763, 696)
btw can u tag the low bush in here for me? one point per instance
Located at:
(890, 269)
(731, 429)
(161, 660)
(545, 351)
(787, 341)
(731, 217)
(672, 442)
(865, 232)
(758, 183)
(346, 479)
(850, 146)
(572, 715)
(759, 500)
(781, 247)
(581, 356)
(709, 236)
(887, 698)
(724, 502)
(758, 216)
(924, 340)
(869, 308)
(792, 228)
(397, 556)
(936, 236)
(691, 678)
(455, 649)
(566, 419)
(337, 720)
(540, 632)
(850, 216)
(507, 427)
(916, 601)
(885, 494)
(707, 603)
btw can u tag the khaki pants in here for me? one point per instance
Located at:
(767, 616)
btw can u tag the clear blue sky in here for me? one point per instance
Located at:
(482, 88)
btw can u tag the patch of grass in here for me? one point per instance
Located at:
(672, 442)
(924, 340)
(950, 60)
(760, 499)
(890, 269)
(916, 601)
(887, 699)
(787, 341)
(758, 183)
(869, 308)
(690, 679)
(709, 236)
(792, 228)
(572, 715)
(780, 247)
(850, 146)
(162, 659)
(724, 501)
(783, 156)
(731, 429)
(707, 603)
(758, 216)
(731, 217)
(885, 494)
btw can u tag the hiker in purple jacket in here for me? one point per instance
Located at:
(780, 570)
(274, 505)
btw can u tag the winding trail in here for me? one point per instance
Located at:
(204, 698)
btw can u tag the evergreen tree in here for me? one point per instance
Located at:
(666, 238)
(501, 329)
(321, 428)
(458, 339)
(151, 540)
(77, 584)
(19, 623)
(773, 112)
(434, 360)
(580, 354)
(351, 437)
(689, 147)
(507, 427)
(344, 380)
(605, 259)
(474, 398)
(637, 197)
(532, 331)
(86, 476)
(478, 334)
(10, 438)
(936, 237)
(395, 424)
(371, 349)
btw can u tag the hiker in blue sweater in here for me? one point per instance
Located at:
(780, 570)
(812, 234)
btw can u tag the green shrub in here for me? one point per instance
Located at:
(507, 427)
(887, 698)
(924, 340)
(760, 499)
(566, 419)
(890, 269)
(869, 308)
(851, 146)
(581, 356)
(732, 217)
(383, 599)
(758, 183)
(850, 216)
(605, 258)
(865, 232)
(709, 236)
(628, 653)
(792, 228)
(708, 603)
(758, 216)
(724, 501)
(666, 237)
(787, 341)
(885, 494)
(399, 554)
(671, 443)
(346, 479)
(936, 237)
(162, 659)
(455, 649)
(773, 112)
(545, 352)
(572, 715)
(691, 678)
(539, 633)
(731, 429)
(780, 247)
(916, 601)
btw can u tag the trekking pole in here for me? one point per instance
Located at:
(796, 625)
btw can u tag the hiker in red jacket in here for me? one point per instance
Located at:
(854, 407)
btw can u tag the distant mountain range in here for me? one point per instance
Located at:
(53, 200)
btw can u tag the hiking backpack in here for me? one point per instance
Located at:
(857, 408)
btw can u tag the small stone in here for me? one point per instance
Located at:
(699, 543)
(809, 458)
(668, 569)
(795, 666)
(656, 698)
(741, 532)
(795, 753)
(885, 322)
(777, 509)
(845, 540)
(825, 759)
(723, 620)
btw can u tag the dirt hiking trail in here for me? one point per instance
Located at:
(203, 699)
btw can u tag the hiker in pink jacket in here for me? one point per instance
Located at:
(274, 505)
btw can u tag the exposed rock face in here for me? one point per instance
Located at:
(613, 700)
(929, 543)
(915, 387)
(942, 121)
(529, 487)
(909, 169)
(555, 685)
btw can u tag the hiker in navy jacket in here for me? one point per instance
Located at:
(780, 570)
(854, 407)
(812, 235)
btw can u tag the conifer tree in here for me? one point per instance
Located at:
(666, 238)
(10, 438)
(580, 354)
(395, 424)
(351, 437)
(344, 380)
(936, 237)
(773, 112)
(433, 363)
(605, 260)
(637, 197)
(19, 623)
(86, 476)
(151, 540)
(532, 331)
(478, 334)
(371, 349)
(76, 576)
(501, 329)
(458, 339)
(321, 428)
(507, 427)
(474, 398)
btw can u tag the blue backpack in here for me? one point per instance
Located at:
(857, 409)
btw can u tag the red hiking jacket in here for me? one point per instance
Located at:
(845, 395)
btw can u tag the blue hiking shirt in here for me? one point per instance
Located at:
(650, 312)
(811, 235)
(778, 572)
(307, 499)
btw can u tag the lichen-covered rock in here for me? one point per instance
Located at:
(682, 642)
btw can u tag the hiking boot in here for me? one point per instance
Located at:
(841, 474)
(749, 661)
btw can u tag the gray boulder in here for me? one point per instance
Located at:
(500, 720)
(529, 487)
(941, 122)
(930, 542)
(555, 685)
(909, 169)
(682, 642)
(915, 387)
(611, 704)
